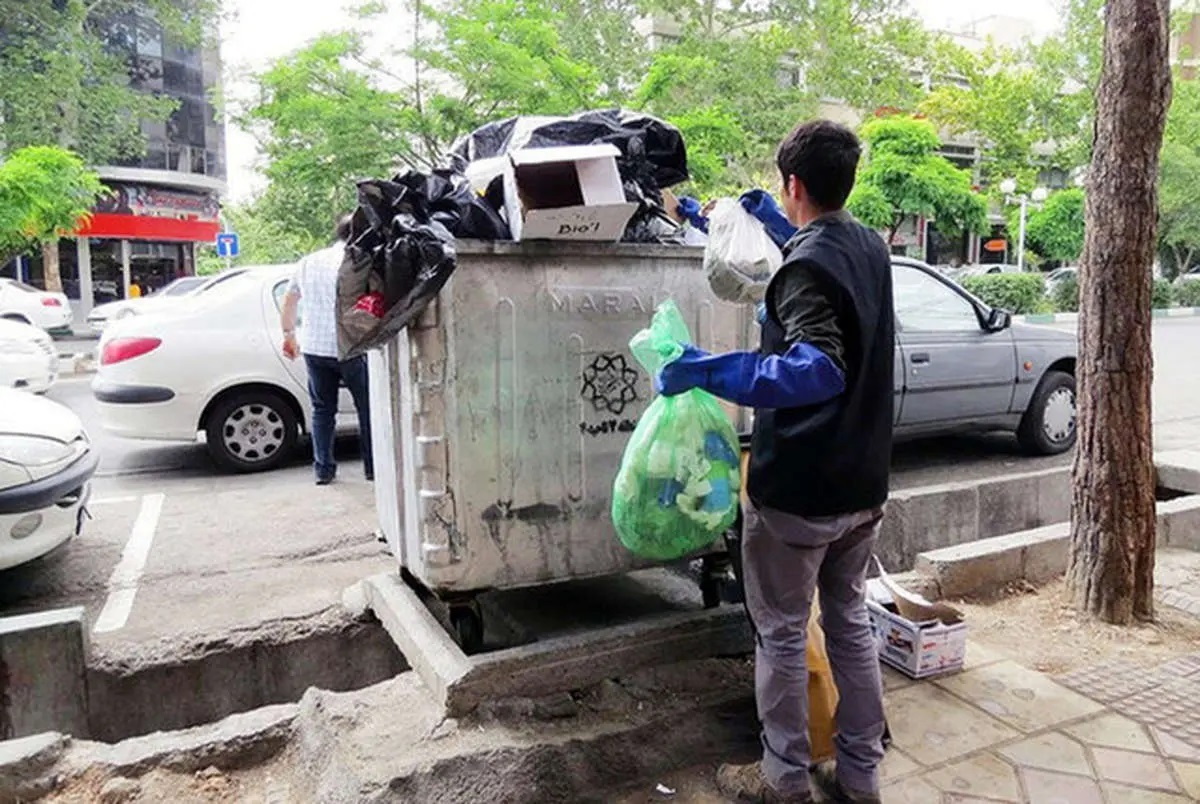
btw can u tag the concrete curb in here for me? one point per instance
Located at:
(1073, 318)
(76, 365)
(1038, 556)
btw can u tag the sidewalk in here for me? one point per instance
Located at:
(999, 732)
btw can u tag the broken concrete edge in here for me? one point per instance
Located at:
(35, 766)
(27, 763)
(239, 673)
(436, 658)
(122, 657)
(460, 683)
(1035, 556)
(583, 660)
(690, 713)
(571, 747)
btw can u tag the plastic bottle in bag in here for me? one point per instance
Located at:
(677, 489)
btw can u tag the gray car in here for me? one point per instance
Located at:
(962, 366)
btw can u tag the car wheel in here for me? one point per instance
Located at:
(1048, 426)
(252, 431)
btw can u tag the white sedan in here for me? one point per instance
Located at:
(28, 357)
(100, 316)
(214, 366)
(25, 303)
(46, 465)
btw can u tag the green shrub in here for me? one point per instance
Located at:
(1017, 293)
(1187, 294)
(1066, 296)
(1163, 294)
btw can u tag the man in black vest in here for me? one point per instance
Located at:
(821, 387)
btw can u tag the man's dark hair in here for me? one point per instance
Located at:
(824, 155)
(343, 228)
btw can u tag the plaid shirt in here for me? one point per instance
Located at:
(315, 281)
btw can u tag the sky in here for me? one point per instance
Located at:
(259, 31)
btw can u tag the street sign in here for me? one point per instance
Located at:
(227, 245)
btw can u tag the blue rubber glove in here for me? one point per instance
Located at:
(762, 205)
(690, 209)
(803, 376)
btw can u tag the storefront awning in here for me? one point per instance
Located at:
(143, 227)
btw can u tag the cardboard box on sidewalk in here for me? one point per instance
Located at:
(919, 650)
(567, 193)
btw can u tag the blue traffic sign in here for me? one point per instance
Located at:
(227, 245)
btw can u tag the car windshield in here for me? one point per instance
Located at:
(22, 286)
(181, 287)
(220, 279)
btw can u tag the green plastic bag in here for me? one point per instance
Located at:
(677, 489)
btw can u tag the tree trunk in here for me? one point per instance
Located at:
(1111, 572)
(50, 273)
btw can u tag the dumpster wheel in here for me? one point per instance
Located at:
(466, 620)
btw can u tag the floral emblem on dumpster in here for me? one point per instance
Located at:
(610, 384)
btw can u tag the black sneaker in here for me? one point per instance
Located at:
(324, 481)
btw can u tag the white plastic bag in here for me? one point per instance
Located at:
(740, 257)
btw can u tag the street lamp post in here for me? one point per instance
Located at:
(1009, 188)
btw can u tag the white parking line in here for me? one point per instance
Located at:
(112, 500)
(122, 587)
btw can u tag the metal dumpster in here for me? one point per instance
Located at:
(500, 416)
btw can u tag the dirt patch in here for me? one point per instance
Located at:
(688, 786)
(1041, 629)
(209, 786)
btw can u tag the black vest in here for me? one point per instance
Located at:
(834, 458)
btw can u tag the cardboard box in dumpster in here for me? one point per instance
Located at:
(568, 193)
(919, 650)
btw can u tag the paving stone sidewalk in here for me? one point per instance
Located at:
(1114, 734)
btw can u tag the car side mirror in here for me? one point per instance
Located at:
(998, 320)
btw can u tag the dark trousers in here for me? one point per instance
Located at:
(325, 376)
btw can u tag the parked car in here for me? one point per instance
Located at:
(1059, 276)
(46, 466)
(22, 302)
(1190, 276)
(215, 366)
(114, 311)
(28, 357)
(962, 366)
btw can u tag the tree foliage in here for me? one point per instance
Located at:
(903, 175)
(64, 73)
(44, 193)
(1179, 206)
(1055, 230)
(263, 240)
(734, 77)
(1011, 106)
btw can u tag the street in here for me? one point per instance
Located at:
(178, 555)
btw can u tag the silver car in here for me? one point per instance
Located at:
(962, 366)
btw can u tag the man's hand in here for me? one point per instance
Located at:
(291, 349)
(681, 374)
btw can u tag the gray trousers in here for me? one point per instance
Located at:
(785, 559)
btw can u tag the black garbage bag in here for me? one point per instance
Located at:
(653, 154)
(402, 252)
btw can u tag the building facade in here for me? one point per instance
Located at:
(163, 203)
